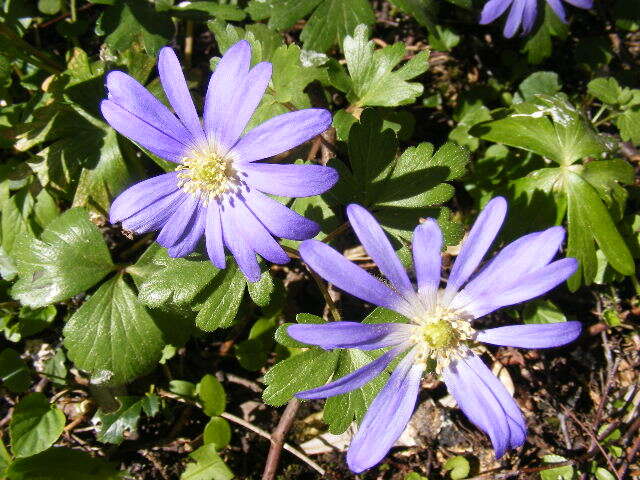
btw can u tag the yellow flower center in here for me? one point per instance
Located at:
(206, 173)
(441, 335)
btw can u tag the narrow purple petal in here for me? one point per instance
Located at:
(141, 195)
(514, 19)
(137, 129)
(177, 226)
(156, 214)
(364, 336)
(529, 15)
(191, 235)
(257, 235)
(486, 402)
(339, 271)
(280, 221)
(377, 245)
(529, 286)
(581, 3)
(175, 87)
(521, 257)
(237, 244)
(558, 8)
(545, 335)
(387, 416)
(493, 9)
(213, 229)
(482, 234)
(354, 380)
(427, 260)
(282, 133)
(289, 180)
(133, 97)
(233, 94)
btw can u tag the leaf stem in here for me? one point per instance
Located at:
(598, 113)
(74, 13)
(29, 53)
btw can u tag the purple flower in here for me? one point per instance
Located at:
(524, 12)
(218, 187)
(438, 331)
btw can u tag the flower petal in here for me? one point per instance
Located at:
(137, 129)
(141, 195)
(177, 226)
(282, 133)
(427, 260)
(486, 402)
(257, 235)
(237, 244)
(280, 221)
(558, 8)
(529, 15)
(493, 9)
(581, 3)
(191, 235)
(364, 336)
(133, 97)
(521, 257)
(377, 245)
(233, 94)
(336, 269)
(387, 416)
(289, 180)
(514, 19)
(544, 335)
(354, 380)
(175, 87)
(482, 234)
(213, 230)
(156, 214)
(529, 286)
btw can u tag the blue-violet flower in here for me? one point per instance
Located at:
(218, 188)
(524, 12)
(438, 335)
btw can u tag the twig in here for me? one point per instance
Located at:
(338, 231)
(325, 294)
(277, 439)
(630, 456)
(603, 399)
(262, 433)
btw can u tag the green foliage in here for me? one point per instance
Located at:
(458, 467)
(112, 336)
(207, 466)
(35, 425)
(14, 372)
(542, 311)
(211, 395)
(69, 257)
(113, 425)
(217, 432)
(558, 473)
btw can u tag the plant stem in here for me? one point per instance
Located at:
(29, 53)
(277, 439)
(74, 14)
(598, 113)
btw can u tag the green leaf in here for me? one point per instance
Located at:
(267, 291)
(333, 20)
(112, 426)
(542, 311)
(201, 11)
(341, 410)
(217, 432)
(374, 82)
(54, 368)
(15, 220)
(207, 466)
(182, 388)
(549, 126)
(212, 395)
(49, 7)
(538, 45)
(607, 90)
(128, 21)
(306, 370)
(629, 124)
(253, 353)
(35, 425)
(284, 339)
(112, 336)
(14, 372)
(220, 308)
(5, 459)
(604, 474)
(424, 11)
(458, 466)
(588, 219)
(170, 280)
(70, 257)
(62, 462)
(539, 83)
(558, 473)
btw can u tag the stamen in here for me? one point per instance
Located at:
(441, 335)
(207, 174)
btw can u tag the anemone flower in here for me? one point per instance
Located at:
(218, 187)
(438, 335)
(524, 12)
